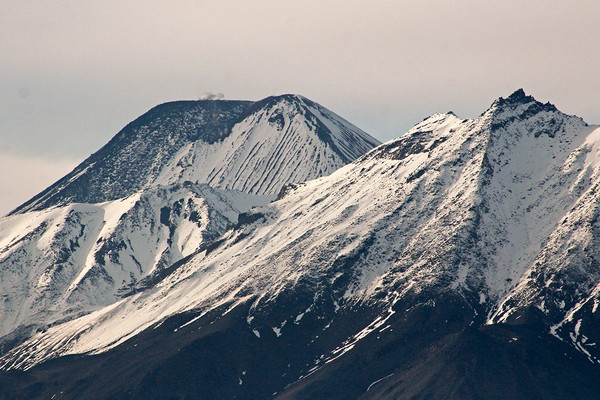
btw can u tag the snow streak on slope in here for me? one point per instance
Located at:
(62, 261)
(253, 147)
(287, 139)
(533, 161)
(454, 205)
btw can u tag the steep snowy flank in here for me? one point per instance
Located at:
(455, 225)
(63, 261)
(283, 139)
(253, 147)
(336, 234)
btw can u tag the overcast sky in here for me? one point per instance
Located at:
(73, 73)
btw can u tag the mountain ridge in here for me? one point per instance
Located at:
(414, 174)
(420, 270)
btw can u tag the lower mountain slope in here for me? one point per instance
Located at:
(66, 261)
(221, 358)
(455, 262)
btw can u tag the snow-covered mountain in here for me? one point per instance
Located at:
(458, 261)
(170, 182)
(253, 147)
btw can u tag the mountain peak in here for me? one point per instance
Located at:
(519, 99)
(243, 145)
(520, 111)
(421, 138)
(273, 100)
(519, 96)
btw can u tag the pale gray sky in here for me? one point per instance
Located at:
(73, 73)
